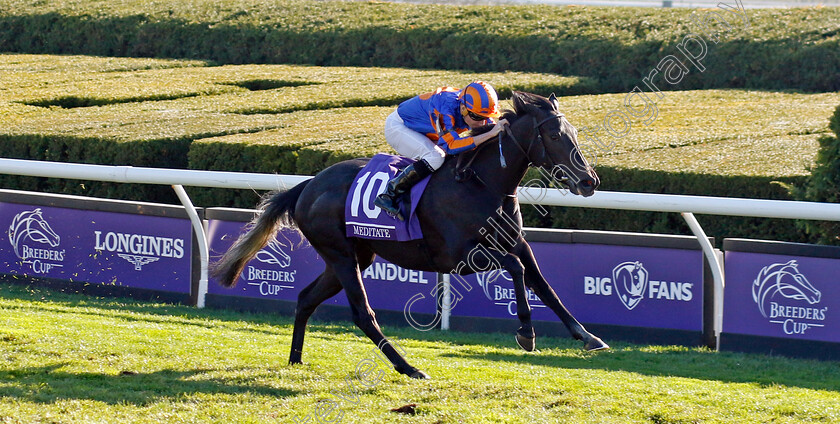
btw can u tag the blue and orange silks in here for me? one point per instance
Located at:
(437, 115)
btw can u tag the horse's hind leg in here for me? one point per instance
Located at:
(347, 271)
(323, 288)
(536, 282)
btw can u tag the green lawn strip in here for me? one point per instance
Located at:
(79, 81)
(135, 122)
(260, 88)
(39, 66)
(389, 88)
(721, 132)
(685, 118)
(69, 358)
(781, 156)
(314, 158)
(710, 142)
(149, 134)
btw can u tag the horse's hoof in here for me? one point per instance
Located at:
(420, 375)
(595, 344)
(526, 343)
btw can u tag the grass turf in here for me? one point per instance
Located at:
(69, 358)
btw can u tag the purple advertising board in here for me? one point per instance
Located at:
(781, 296)
(600, 284)
(109, 248)
(279, 271)
(288, 264)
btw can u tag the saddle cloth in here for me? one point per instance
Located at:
(364, 219)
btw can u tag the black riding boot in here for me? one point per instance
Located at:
(401, 184)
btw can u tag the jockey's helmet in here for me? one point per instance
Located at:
(480, 98)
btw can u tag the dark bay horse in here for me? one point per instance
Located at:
(453, 216)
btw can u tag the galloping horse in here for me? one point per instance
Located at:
(451, 214)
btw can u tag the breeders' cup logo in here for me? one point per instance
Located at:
(271, 281)
(273, 254)
(780, 291)
(35, 242)
(630, 280)
(631, 283)
(498, 287)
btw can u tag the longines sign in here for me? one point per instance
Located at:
(140, 251)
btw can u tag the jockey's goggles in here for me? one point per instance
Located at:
(476, 117)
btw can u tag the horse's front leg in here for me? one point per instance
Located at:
(536, 282)
(525, 335)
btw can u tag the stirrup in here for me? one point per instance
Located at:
(385, 206)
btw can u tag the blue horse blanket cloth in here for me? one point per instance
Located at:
(364, 220)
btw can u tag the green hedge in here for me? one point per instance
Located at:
(823, 185)
(646, 181)
(780, 48)
(308, 142)
(145, 112)
(713, 142)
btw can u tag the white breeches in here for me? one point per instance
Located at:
(412, 144)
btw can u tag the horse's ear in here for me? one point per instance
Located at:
(518, 99)
(522, 103)
(553, 100)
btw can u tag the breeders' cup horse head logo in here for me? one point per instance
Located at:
(630, 280)
(489, 278)
(783, 279)
(32, 226)
(273, 254)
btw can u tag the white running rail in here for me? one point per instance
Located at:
(687, 206)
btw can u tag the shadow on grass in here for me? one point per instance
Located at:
(132, 310)
(674, 361)
(49, 383)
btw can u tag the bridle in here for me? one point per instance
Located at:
(559, 116)
(463, 172)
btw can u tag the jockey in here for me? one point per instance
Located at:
(427, 128)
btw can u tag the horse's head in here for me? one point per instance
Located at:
(552, 142)
(786, 280)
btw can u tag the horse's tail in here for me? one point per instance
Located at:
(277, 211)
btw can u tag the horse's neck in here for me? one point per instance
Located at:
(489, 166)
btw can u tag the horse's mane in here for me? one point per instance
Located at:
(520, 101)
